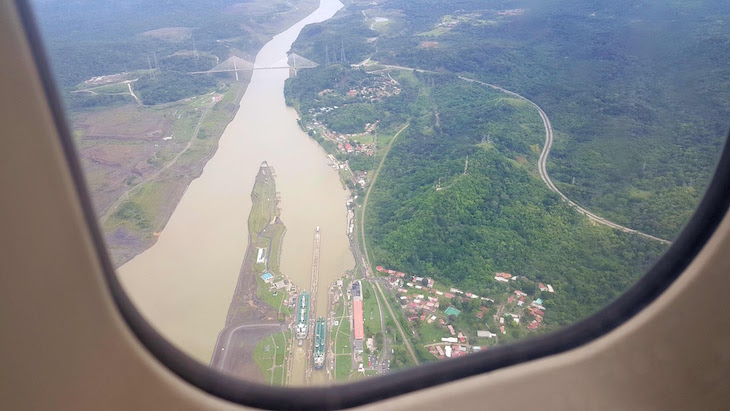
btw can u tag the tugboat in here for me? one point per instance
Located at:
(319, 343)
(302, 317)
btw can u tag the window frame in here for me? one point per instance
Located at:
(653, 283)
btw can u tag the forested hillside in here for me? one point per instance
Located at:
(499, 216)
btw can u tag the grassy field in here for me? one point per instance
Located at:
(270, 356)
(371, 312)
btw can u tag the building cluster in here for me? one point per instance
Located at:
(379, 88)
(348, 146)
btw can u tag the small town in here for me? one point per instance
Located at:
(429, 305)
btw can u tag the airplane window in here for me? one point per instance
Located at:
(306, 193)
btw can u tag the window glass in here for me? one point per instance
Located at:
(298, 192)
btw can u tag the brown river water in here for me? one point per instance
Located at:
(184, 283)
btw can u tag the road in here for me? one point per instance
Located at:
(542, 161)
(222, 364)
(366, 257)
(542, 168)
(129, 85)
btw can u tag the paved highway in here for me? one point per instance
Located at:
(541, 166)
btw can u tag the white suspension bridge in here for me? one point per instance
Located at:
(236, 64)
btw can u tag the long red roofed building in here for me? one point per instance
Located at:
(358, 326)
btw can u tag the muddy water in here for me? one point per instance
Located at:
(184, 283)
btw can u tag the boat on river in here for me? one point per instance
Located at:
(320, 331)
(302, 329)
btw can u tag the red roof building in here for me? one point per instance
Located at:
(511, 298)
(380, 268)
(357, 311)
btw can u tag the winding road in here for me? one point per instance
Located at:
(542, 169)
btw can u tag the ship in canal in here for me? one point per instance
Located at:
(319, 342)
(302, 316)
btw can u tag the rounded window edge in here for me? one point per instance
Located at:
(650, 286)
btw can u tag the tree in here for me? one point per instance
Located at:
(424, 282)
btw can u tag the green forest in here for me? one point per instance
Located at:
(637, 92)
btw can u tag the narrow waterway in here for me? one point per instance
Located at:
(184, 283)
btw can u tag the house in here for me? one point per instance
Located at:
(380, 268)
(503, 275)
(484, 334)
(500, 279)
(542, 287)
(440, 350)
(550, 288)
(462, 338)
(450, 340)
(451, 329)
(502, 330)
(479, 314)
(448, 295)
(511, 298)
